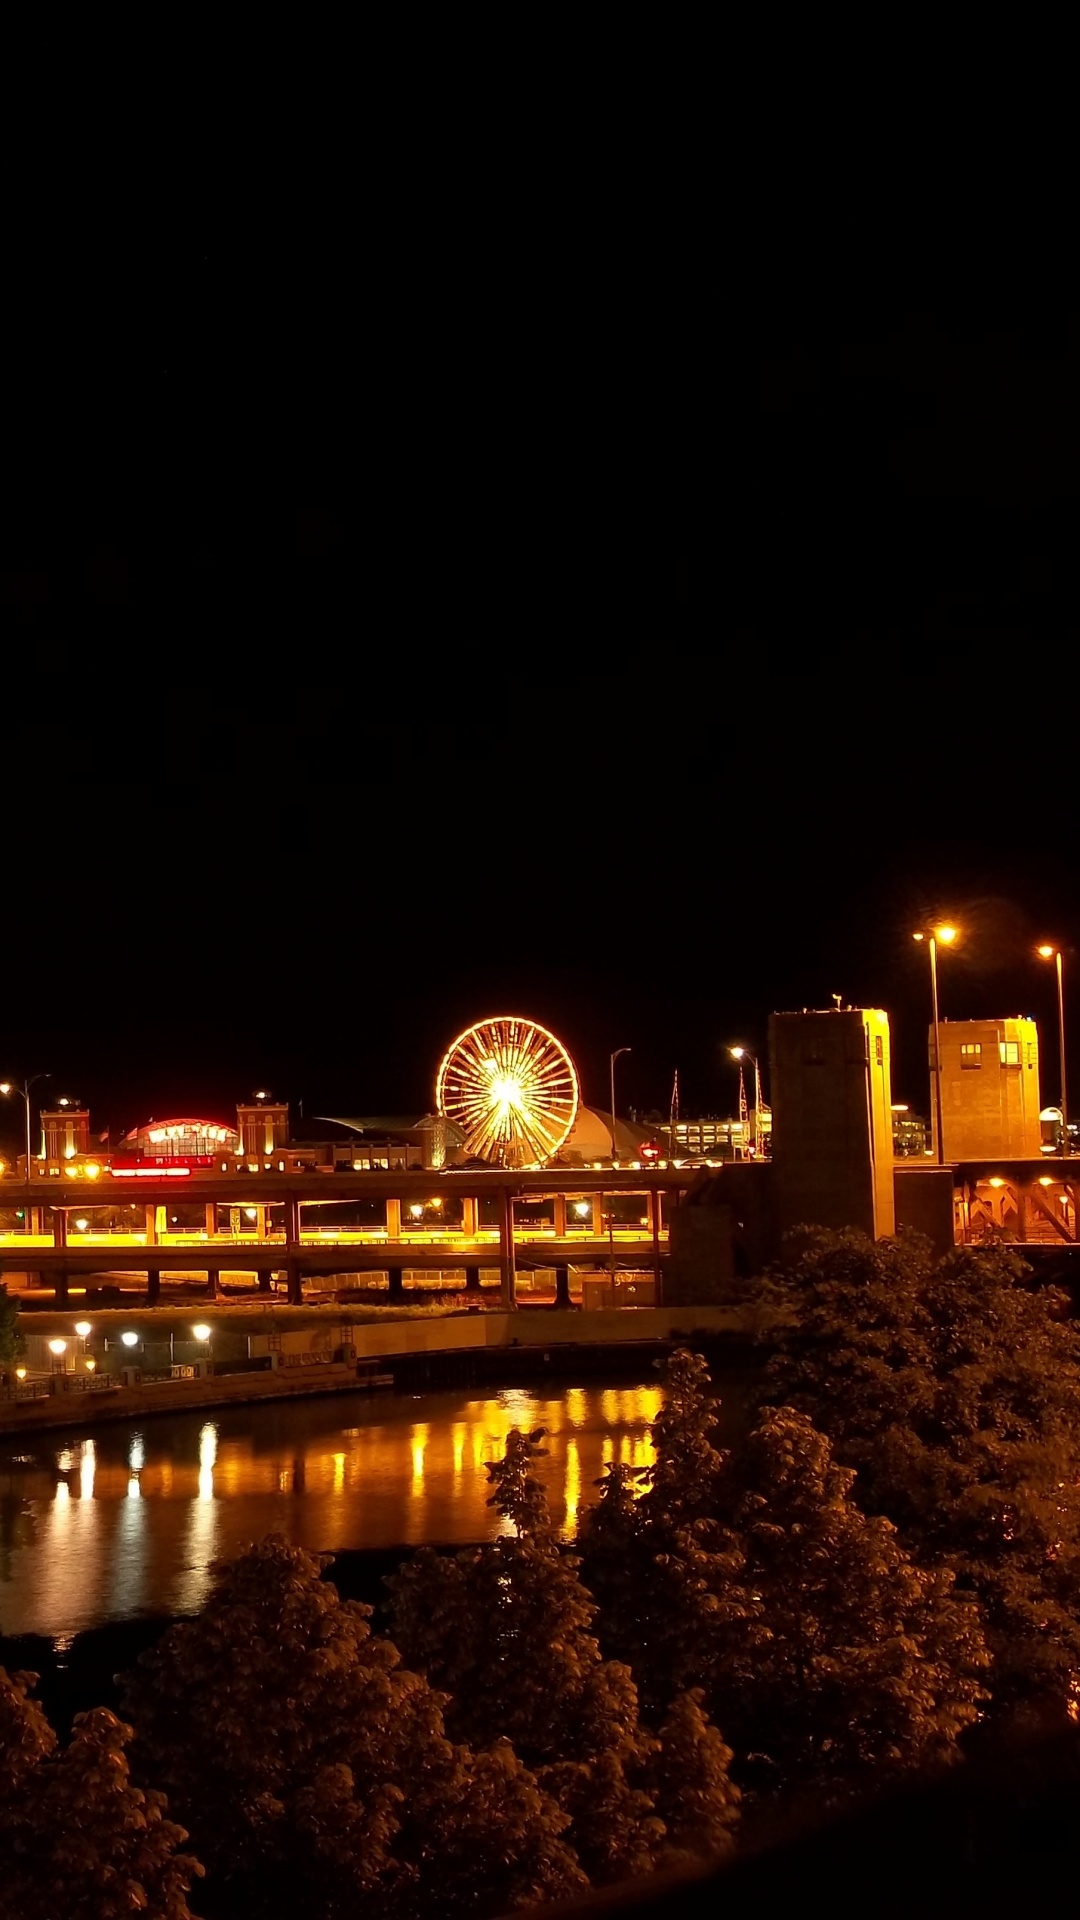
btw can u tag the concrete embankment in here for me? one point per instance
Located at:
(399, 1347)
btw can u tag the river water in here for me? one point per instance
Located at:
(105, 1527)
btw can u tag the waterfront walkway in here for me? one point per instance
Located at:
(373, 1346)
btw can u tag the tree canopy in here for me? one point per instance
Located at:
(820, 1648)
(314, 1769)
(506, 1630)
(76, 1837)
(953, 1387)
(11, 1341)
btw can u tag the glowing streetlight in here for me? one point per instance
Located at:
(129, 1339)
(614, 1057)
(58, 1347)
(946, 934)
(83, 1329)
(1051, 952)
(12, 1086)
(202, 1332)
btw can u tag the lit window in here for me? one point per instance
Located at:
(971, 1053)
(1010, 1052)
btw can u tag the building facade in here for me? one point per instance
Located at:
(832, 1144)
(990, 1102)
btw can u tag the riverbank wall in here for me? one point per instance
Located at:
(419, 1354)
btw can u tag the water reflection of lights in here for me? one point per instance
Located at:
(577, 1407)
(421, 1434)
(159, 1506)
(208, 1439)
(65, 1460)
(573, 1487)
(516, 1400)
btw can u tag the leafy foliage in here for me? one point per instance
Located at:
(506, 1630)
(860, 1658)
(658, 1550)
(819, 1647)
(76, 1838)
(11, 1340)
(954, 1388)
(315, 1770)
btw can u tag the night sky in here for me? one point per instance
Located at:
(366, 675)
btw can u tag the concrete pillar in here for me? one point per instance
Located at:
(153, 1286)
(211, 1219)
(162, 1220)
(654, 1223)
(560, 1216)
(562, 1286)
(292, 1221)
(507, 1251)
(211, 1284)
(264, 1278)
(60, 1284)
(469, 1208)
(260, 1220)
(396, 1278)
(472, 1279)
(294, 1283)
(393, 1219)
(598, 1216)
(150, 1212)
(59, 1235)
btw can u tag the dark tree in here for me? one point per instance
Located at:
(506, 1630)
(860, 1658)
(819, 1647)
(315, 1770)
(953, 1386)
(11, 1340)
(658, 1552)
(76, 1838)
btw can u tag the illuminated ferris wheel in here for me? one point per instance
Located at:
(511, 1088)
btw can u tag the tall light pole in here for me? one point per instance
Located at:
(946, 935)
(12, 1086)
(740, 1054)
(614, 1057)
(1051, 952)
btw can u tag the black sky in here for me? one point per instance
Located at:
(370, 667)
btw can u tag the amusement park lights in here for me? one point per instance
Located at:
(512, 1088)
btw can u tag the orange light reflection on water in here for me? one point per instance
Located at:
(131, 1517)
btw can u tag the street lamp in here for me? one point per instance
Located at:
(1051, 952)
(614, 1057)
(946, 935)
(12, 1086)
(740, 1054)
